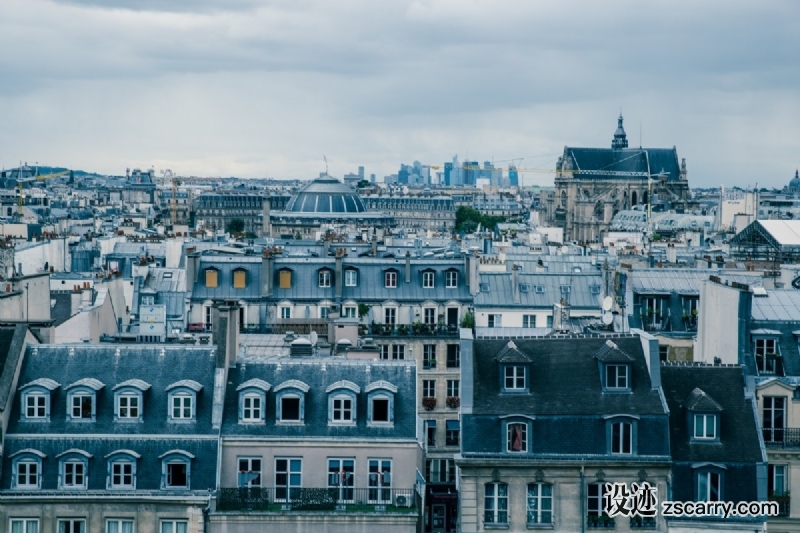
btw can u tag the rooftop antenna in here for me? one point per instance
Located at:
(640, 134)
(326, 164)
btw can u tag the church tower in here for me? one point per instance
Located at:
(620, 139)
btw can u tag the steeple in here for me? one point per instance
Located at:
(620, 139)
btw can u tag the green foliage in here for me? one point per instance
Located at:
(363, 309)
(468, 219)
(656, 237)
(298, 236)
(363, 183)
(235, 225)
(468, 321)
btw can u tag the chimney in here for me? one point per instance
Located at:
(374, 245)
(266, 272)
(225, 333)
(515, 282)
(86, 298)
(266, 227)
(75, 301)
(408, 267)
(338, 276)
(326, 243)
(192, 262)
(471, 263)
(672, 253)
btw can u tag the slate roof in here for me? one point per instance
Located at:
(683, 281)
(319, 374)
(11, 342)
(609, 352)
(739, 437)
(565, 379)
(782, 305)
(644, 160)
(700, 401)
(584, 293)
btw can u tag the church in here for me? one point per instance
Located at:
(593, 184)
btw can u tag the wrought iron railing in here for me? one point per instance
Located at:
(781, 437)
(297, 499)
(783, 504)
(643, 522)
(600, 522)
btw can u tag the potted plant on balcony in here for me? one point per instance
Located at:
(694, 317)
(593, 522)
(429, 403)
(452, 402)
(402, 329)
(416, 327)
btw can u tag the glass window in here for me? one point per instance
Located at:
(128, 406)
(24, 525)
(72, 526)
(514, 377)
(174, 526)
(324, 278)
(705, 426)
(766, 352)
(177, 474)
(182, 406)
(776, 480)
(427, 280)
(286, 312)
(342, 408)
(251, 408)
(350, 278)
(428, 356)
(495, 321)
(35, 406)
(239, 279)
(390, 315)
(540, 503)
(290, 408)
(594, 499)
(385, 351)
(380, 481)
(74, 474)
(390, 280)
(341, 477)
(517, 437)
(495, 506)
(398, 351)
(288, 476)
(27, 474)
(350, 312)
(429, 316)
(453, 356)
(616, 376)
(774, 418)
(81, 406)
(380, 409)
(324, 312)
(212, 281)
(440, 471)
(708, 486)
(119, 526)
(451, 279)
(528, 321)
(621, 438)
(148, 300)
(430, 432)
(453, 386)
(429, 388)
(121, 474)
(452, 433)
(249, 472)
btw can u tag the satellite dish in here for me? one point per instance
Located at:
(607, 303)
(564, 249)
(607, 318)
(313, 337)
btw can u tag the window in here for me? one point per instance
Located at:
(705, 426)
(451, 279)
(350, 312)
(430, 433)
(429, 316)
(517, 437)
(350, 278)
(290, 408)
(174, 526)
(81, 406)
(380, 481)
(36, 405)
(24, 525)
(766, 352)
(776, 480)
(286, 312)
(774, 418)
(343, 408)
(72, 526)
(380, 410)
(128, 406)
(453, 386)
(429, 356)
(288, 477)
(528, 321)
(440, 471)
(453, 355)
(285, 279)
(621, 438)
(27, 474)
(617, 377)
(390, 279)
(429, 388)
(390, 316)
(119, 526)
(341, 477)
(73, 475)
(663, 352)
(249, 472)
(594, 499)
(182, 406)
(709, 486)
(495, 505)
(122, 474)
(324, 278)
(324, 311)
(398, 351)
(177, 474)
(452, 433)
(514, 378)
(495, 321)
(385, 351)
(251, 408)
(540, 503)
(427, 280)
(148, 300)
(208, 317)
(212, 278)
(239, 279)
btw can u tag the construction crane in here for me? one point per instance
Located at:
(38, 177)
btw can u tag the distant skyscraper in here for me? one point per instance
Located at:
(472, 172)
(448, 168)
(372, 178)
(513, 177)
(361, 173)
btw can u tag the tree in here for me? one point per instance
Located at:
(236, 225)
(363, 183)
(468, 218)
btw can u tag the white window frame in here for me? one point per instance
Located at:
(528, 321)
(27, 462)
(80, 522)
(324, 278)
(525, 438)
(428, 280)
(350, 312)
(184, 399)
(494, 320)
(294, 478)
(128, 396)
(73, 462)
(390, 280)
(347, 415)
(249, 464)
(618, 442)
(122, 462)
(77, 394)
(534, 503)
(120, 522)
(379, 481)
(453, 388)
(451, 279)
(291, 394)
(514, 373)
(389, 398)
(492, 513)
(614, 384)
(174, 460)
(42, 403)
(594, 502)
(390, 316)
(351, 278)
(26, 522)
(286, 313)
(252, 413)
(398, 352)
(173, 526)
(343, 479)
(429, 316)
(705, 486)
(779, 488)
(429, 388)
(704, 426)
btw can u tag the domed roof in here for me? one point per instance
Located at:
(795, 183)
(326, 194)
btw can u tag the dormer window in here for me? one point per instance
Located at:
(514, 377)
(704, 416)
(615, 368)
(290, 402)
(239, 278)
(175, 469)
(122, 469)
(767, 354)
(380, 403)
(342, 402)
(451, 279)
(129, 400)
(212, 278)
(36, 399)
(705, 426)
(351, 277)
(516, 433)
(73, 469)
(27, 469)
(82, 399)
(428, 279)
(514, 367)
(253, 401)
(390, 279)
(324, 277)
(617, 377)
(182, 399)
(621, 434)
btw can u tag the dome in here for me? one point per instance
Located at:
(795, 183)
(326, 195)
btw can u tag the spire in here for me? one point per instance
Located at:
(620, 139)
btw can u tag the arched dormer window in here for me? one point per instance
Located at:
(380, 403)
(253, 401)
(129, 400)
(285, 278)
(622, 434)
(351, 277)
(176, 469)
(73, 469)
(239, 278)
(290, 402)
(82, 399)
(325, 277)
(211, 277)
(517, 433)
(36, 399)
(342, 402)
(26, 466)
(122, 469)
(183, 400)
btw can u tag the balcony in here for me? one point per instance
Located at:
(782, 437)
(406, 330)
(783, 504)
(341, 500)
(643, 522)
(600, 522)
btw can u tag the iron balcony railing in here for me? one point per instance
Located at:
(782, 437)
(297, 499)
(783, 504)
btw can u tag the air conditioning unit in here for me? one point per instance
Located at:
(403, 501)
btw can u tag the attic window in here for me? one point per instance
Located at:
(595, 289)
(212, 278)
(239, 279)
(540, 289)
(484, 287)
(167, 275)
(285, 279)
(565, 289)
(524, 287)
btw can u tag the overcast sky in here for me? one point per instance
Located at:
(265, 88)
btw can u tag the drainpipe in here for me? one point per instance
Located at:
(583, 503)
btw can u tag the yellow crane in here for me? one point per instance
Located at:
(38, 177)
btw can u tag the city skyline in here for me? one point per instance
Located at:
(264, 90)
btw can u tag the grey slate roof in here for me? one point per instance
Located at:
(779, 305)
(543, 290)
(700, 401)
(11, 342)
(646, 160)
(609, 352)
(683, 281)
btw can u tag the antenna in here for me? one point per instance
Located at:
(640, 134)
(326, 164)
